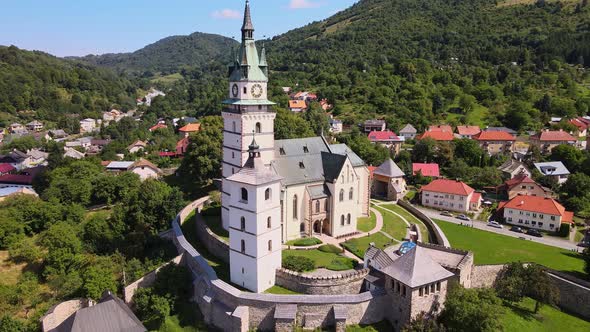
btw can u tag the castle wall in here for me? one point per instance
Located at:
(347, 283)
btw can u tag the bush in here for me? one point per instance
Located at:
(152, 309)
(305, 242)
(211, 211)
(330, 248)
(298, 263)
(564, 230)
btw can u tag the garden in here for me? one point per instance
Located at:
(327, 256)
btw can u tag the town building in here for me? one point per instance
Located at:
(450, 195)
(443, 128)
(374, 125)
(495, 142)
(513, 168)
(35, 126)
(543, 213)
(438, 135)
(408, 132)
(190, 129)
(89, 126)
(468, 131)
(182, 146)
(502, 129)
(547, 140)
(582, 124)
(524, 185)
(336, 126)
(430, 170)
(137, 146)
(388, 139)
(388, 181)
(145, 169)
(554, 169)
(297, 105)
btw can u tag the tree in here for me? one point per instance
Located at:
(468, 150)
(586, 258)
(424, 150)
(471, 310)
(422, 323)
(510, 284)
(467, 102)
(540, 287)
(289, 125)
(98, 279)
(202, 161)
(571, 156)
(151, 308)
(10, 324)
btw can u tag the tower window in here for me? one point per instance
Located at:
(233, 126)
(245, 195)
(259, 107)
(245, 88)
(258, 128)
(302, 227)
(350, 193)
(233, 155)
(269, 223)
(342, 220)
(243, 224)
(243, 246)
(269, 245)
(341, 198)
(348, 219)
(301, 165)
(317, 206)
(267, 194)
(305, 149)
(282, 151)
(295, 207)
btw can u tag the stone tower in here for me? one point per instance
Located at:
(247, 111)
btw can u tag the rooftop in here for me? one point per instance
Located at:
(297, 104)
(468, 130)
(443, 128)
(431, 170)
(449, 187)
(538, 204)
(383, 136)
(437, 135)
(552, 168)
(495, 136)
(190, 128)
(549, 136)
(408, 129)
(389, 169)
(416, 268)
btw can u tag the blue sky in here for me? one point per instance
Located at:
(80, 27)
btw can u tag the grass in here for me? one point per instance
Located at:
(579, 236)
(491, 248)
(393, 225)
(366, 224)
(278, 290)
(409, 217)
(304, 242)
(383, 326)
(330, 261)
(410, 195)
(215, 225)
(167, 79)
(359, 246)
(188, 319)
(520, 317)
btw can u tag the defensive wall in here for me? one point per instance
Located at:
(434, 233)
(348, 282)
(211, 241)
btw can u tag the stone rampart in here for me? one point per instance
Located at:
(350, 282)
(434, 232)
(146, 281)
(574, 294)
(485, 276)
(214, 244)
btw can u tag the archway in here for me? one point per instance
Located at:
(317, 227)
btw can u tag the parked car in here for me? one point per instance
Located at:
(495, 224)
(534, 232)
(446, 214)
(516, 229)
(463, 217)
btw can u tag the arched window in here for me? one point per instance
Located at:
(348, 219)
(295, 207)
(268, 223)
(243, 243)
(233, 126)
(245, 90)
(245, 195)
(267, 194)
(258, 128)
(302, 227)
(269, 245)
(342, 220)
(347, 173)
(350, 194)
(341, 195)
(317, 206)
(243, 223)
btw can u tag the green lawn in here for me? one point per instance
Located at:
(219, 266)
(383, 326)
(409, 217)
(280, 291)
(491, 248)
(304, 242)
(330, 261)
(188, 319)
(359, 246)
(393, 225)
(215, 225)
(521, 318)
(366, 224)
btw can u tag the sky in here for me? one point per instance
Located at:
(81, 27)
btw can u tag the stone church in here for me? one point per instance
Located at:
(274, 191)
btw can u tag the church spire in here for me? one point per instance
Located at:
(248, 27)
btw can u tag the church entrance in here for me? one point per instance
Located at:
(317, 227)
(380, 188)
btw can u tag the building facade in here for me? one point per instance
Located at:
(536, 212)
(450, 195)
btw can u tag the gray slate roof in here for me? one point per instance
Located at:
(255, 173)
(389, 169)
(408, 129)
(416, 269)
(552, 168)
(377, 258)
(319, 191)
(511, 165)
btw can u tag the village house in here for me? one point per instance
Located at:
(35, 126)
(73, 153)
(408, 132)
(143, 168)
(16, 127)
(547, 140)
(89, 126)
(325, 105)
(374, 125)
(16, 159)
(495, 142)
(137, 146)
(336, 126)
(388, 181)
(305, 96)
(35, 157)
(438, 135)
(503, 129)
(443, 128)
(189, 129)
(512, 168)
(6, 168)
(297, 106)
(6, 192)
(450, 195)
(524, 185)
(56, 135)
(543, 213)
(468, 131)
(582, 124)
(429, 170)
(388, 139)
(555, 169)
(157, 126)
(16, 181)
(182, 146)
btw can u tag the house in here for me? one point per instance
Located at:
(145, 169)
(305, 96)
(115, 115)
(158, 126)
(137, 146)
(34, 126)
(543, 213)
(374, 125)
(467, 131)
(119, 166)
(336, 126)
(555, 169)
(182, 146)
(408, 132)
(325, 105)
(16, 127)
(110, 314)
(56, 135)
(190, 128)
(547, 140)
(100, 143)
(450, 195)
(388, 181)
(495, 142)
(73, 153)
(439, 136)
(524, 185)
(6, 168)
(16, 159)
(5, 192)
(286, 90)
(388, 139)
(89, 126)
(297, 106)
(582, 125)
(429, 170)
(36, 157)
(443, 128)
(189, 119)
(16, 181)
(512, 168)
(503, 129)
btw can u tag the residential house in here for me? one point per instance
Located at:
(555, 169)
(443, 128)
(145, 169)
(6, 168)
(374, 125)
(503, 129)
(6, 192)
(16, 127)
(73, 153)
(305, 96)
(450, 195)
(512, 168)
(56, 135)
(286, 90)
(326, 106)
(495, 142)
(190, 128)
(388, 181)
(89, 126)
(582, 125)
(16, 181)
(388, 139)
(439, 136)
(543, 213)
(189, 119)
(408, 132)
(336, 126)
(35, 126)
(182, 146)
(297, 106)
(137, 146)
(468, 131)
(157, 126)
(36, 157)
(119, 166)
(524, 185)
(547, 140)
(429, 170)
(16, 159)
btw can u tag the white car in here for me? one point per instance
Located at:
(495, 224)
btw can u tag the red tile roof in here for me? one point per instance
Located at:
(519, 179)
(581, 123)
(167, 154)
(437, 135)
(190, 128)
(6, 168)
(379, 136)
(16, 179)
(444, 128)
(371, 170)
(431, 170)
(554, 136)
(158, 126)
(449, 187)
(494, 136)
(297, 104)
(468, 130)
(475, 198)
(539, 205)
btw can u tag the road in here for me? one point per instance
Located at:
(554, 242)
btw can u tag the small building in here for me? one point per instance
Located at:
(119, 166)
(495, 142)
(388, 181)
(374, 125)
(536, 212)
(157, 126)
(512, 168)
(16, 159)
(430, 170)
(326, 106)
(35, 126)
(439, 136)
(145, 169)
(555, 169)
(388, 139)
(547, 140)
(336, 126)
(89, 126)
(468, 131)
(16, 127)
(182, 146)
(36, 157)
(582, 125)
(16, 181)
(443, 128)
(190, 128)
(450, 195)
(297, 106)
(6, 168)
(524, 185)
(137, 146)
(73, 153)
(408, 132)
(503, 129)
(6, 192)
(56, 134)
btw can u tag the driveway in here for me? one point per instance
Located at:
(554, 242)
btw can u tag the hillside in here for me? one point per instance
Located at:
(170, 54)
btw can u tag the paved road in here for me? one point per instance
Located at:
(554, 242)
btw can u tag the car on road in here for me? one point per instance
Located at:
(516, 229)
(463, 217)
(534, 232)
(446, 214)
(495, 224)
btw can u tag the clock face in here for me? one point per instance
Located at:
(256, 90)
(235, 90)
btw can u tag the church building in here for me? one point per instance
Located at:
(274, 191)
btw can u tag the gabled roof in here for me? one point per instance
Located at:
(536, 204)
(377, 258)
(5, 168)
(17, 179)
(437, 135)
(581, 123)
(443, 128)
(383, 136)
(137, 143)
(508, 130)
(476, 198)
(494, 136)
(408, 129)
(518, 180)
(297, 104)
(120, 165)
(389, 169)
(374, 122)
(416, 268)
(554, 136)
(468, 130)
(431, 170)
(511, 165)
(449, 187)
(552, 168)
(145, 163)
(158, 126)
(190, 128)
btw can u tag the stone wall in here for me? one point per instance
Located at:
(484, 276)
(574, 294)
(434, 232)
(350, 282)
(214, 244)
(146, 281)
(60, 312)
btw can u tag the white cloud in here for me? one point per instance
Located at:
(226, 14)
(303, 4)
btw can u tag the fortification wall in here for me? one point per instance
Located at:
(146, 281)
(350, 282)
(574, 294)
(434, 232)
(214, 244)
(484, 276)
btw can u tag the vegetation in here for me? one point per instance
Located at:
(518, 281)
(304, 242)
(393, 225)
(360, 245)
(409, 217)
(298, 263)
(366, 224)
(278, 290)
(471, 310)
(309, 260)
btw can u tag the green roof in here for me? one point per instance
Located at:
(248, 102)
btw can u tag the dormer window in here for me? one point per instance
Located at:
(301, 165)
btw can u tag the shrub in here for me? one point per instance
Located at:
(305, 242)
(213, 210)
(298, 263)
(330, 248)
(564, 230)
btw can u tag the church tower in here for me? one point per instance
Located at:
(247, 111)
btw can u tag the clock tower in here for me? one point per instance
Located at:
(247, 113)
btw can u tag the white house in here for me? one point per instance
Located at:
(537, 212)
(450, 195)
(555, 169)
